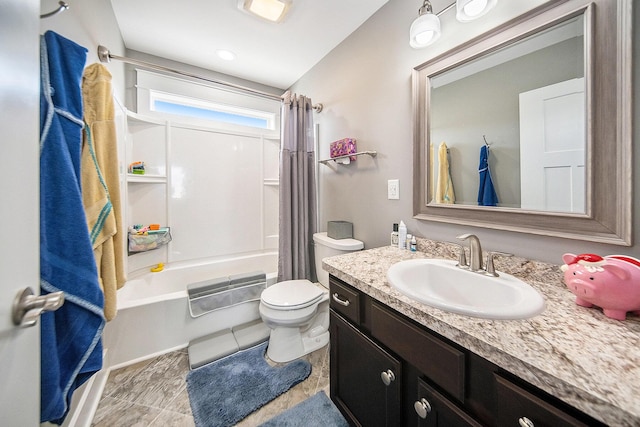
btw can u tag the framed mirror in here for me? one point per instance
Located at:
(528, 128)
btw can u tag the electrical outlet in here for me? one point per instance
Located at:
(393, 189)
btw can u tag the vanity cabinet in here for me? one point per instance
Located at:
(388, 370)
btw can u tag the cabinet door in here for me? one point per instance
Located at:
(435, 410)
(360, 370)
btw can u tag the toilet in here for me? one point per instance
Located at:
(297, 311)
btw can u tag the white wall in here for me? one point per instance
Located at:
(365, 86)
(89, 23)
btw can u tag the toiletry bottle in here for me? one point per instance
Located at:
(407, 245)
(402, 235)
(414, 245)
(394, 235)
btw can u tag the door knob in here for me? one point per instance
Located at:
(388, 377)
(422, 407)
(28, 307)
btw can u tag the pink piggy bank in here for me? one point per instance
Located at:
(611, 283)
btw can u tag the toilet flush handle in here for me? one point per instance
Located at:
(339, 300)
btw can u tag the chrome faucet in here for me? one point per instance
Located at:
(475, 251)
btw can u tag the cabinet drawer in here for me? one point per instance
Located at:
(516, 403)
(438, 411)
(344, 300)
(436, 359)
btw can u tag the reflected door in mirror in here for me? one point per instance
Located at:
(552, 154)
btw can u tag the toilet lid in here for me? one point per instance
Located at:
(291, 294)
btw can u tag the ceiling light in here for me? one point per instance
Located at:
(468, 10)
(426, 27)
(227, 55)
(271, 10)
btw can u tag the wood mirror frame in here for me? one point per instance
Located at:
(608, 75)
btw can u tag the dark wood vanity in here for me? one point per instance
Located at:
(388, 370)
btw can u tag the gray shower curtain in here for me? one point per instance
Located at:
(298, 203)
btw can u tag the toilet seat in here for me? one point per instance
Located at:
(291, 295)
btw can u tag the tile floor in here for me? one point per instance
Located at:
(154, 393)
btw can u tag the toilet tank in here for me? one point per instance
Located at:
(325, 246)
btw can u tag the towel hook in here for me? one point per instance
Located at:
(62, 7)
(485, 140)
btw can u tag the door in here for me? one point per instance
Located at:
(19, 207)
(552, 147)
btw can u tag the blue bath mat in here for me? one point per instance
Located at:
(227, 390)
(316, 411)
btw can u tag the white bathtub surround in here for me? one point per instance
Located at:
(153, 309)
(574, 353)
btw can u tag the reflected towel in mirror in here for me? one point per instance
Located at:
(486, 193)
(444, 187)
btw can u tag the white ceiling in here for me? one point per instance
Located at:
(272, 54)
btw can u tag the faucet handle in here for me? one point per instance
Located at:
(490, 269)
(462, 258)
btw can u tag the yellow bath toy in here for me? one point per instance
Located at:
(157, 268)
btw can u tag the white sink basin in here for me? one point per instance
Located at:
(439, 283)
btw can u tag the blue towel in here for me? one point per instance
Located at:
(486, 193)
(71, 336)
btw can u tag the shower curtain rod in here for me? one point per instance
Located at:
(105, 56)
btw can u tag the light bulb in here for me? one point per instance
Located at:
(424, 37)
(468, 10)
(474, 7)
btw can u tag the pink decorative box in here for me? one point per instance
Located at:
(343, 147)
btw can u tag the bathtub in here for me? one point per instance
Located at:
(153, 310)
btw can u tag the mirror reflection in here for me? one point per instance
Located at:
(507, 129)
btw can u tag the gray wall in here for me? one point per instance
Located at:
(365, 86)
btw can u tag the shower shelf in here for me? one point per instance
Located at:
(368, 153)
(146, 178)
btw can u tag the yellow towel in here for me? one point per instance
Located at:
(101, 183)
(444, 188)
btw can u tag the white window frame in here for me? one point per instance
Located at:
(152, 87)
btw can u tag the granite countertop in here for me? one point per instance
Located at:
(577, 354)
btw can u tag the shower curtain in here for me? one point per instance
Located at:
(297, 221)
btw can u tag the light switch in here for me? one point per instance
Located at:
(393, 189)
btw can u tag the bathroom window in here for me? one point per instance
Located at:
(193, 103)
(206, 110)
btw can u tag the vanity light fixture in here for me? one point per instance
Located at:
(271, 10)
(425, 29)
(468, 10)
